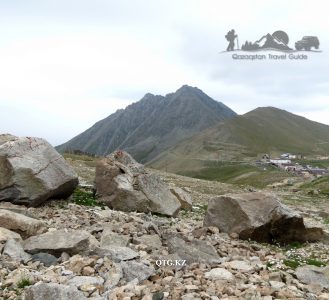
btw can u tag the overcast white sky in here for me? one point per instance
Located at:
(65, 64)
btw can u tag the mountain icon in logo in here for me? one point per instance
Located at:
(278, 40)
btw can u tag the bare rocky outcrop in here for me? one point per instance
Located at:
(32, 171)
(258, 216)
(123, 184)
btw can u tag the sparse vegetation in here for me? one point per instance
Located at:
(298, 261)
(24, 282)
(88, 160)
(294, 245)
(320, 184)
(86, 198)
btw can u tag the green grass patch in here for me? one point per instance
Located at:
(294, 245)
(86, 198)
(297, 261)
(24, 282)
(292, 263)
(315, 262)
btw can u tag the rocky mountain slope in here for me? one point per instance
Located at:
(217, 265)
(263, 130)
(152, 125)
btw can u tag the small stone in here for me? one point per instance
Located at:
(86, 280)
(87, 288)
(191, 287)
(323, 296)
(65, 257)
(78, 262)
(88, 271)
(239, 265)
(275, 276)
(45, 258)
(277, 285)
(158, 296)
(219, 274)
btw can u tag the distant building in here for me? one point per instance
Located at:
(288, 156)
(280, 161)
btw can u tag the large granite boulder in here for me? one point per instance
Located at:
(32, 171)
(62, 240)
(260, 217)
(123, 184)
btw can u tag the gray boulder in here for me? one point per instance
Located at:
(192, 251)
(52, 291)
(15, 251)
(21, 224)
(136, 270)
(58, 241)
(184, 197)
(6, 234)
(313, 275)
(116, 253)
(260, 217)
(123, 184)
(32, 171)
(153, 241)
(110, 239)
(45, 258)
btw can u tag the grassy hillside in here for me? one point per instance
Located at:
(320, 184)
(240, 173)
(243, 138)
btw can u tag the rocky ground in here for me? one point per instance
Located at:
(147, 256)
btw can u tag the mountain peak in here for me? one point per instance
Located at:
(153, 124)
(188, 88)
(148, 96)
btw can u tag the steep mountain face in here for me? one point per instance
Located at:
(263, 130)
(152, 125)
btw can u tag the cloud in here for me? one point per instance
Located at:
(67, 64)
